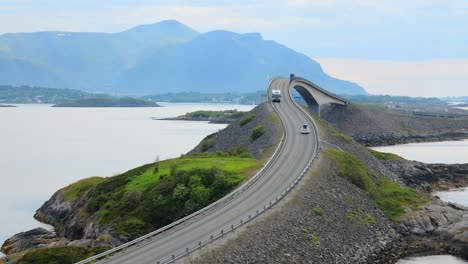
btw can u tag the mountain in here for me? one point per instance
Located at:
(226, 61)
(153, 59)
(88, 61)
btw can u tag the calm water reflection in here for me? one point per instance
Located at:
(44, 149)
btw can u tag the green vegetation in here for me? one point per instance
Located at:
(246, 119)
(27, 94)
(384, 156)
(360, 217)
(318, 211)
(208, 142)
(60, 255)
(151, 196)
(341, 136)
(76, 189)
(108, 102)
(257, 132)
(344, 138)
(389, 196)
(315, 239)
(197, 97)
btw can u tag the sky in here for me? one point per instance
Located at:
(398, 47)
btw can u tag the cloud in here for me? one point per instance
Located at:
(428, 78)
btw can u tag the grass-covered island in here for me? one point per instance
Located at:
(226, 116)
(109, 102)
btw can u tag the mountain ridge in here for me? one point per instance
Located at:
(167, 56)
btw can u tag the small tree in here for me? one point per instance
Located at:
(131, 198)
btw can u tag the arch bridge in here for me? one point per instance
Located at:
(315, 97)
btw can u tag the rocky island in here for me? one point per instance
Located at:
(109, 102)
(215, 117)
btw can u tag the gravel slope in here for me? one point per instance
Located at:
(376, 128)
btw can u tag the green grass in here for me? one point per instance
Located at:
(318, 211)
(337, 134)
(60, 255)
(151, 196)
(231, 165)
(76, 189)
(342, 137)
(257, 132)
(392, 198)
(360, 217)
(389, 196)
(246, 119)
(384, 156)
(315, 239)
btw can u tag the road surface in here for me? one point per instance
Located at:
(297, 152)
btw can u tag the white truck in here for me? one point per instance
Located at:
(275, 95)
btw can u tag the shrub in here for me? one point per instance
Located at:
(60, 255)
(389, 196)
(207, 144)
(131, 228)
(318, 211)
(384, 156)
(241, 152)
(257, 132)
(246, 119)
(131, 198)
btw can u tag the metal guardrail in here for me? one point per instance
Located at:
(187, 251)
(204, 211)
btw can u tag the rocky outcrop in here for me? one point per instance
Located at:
(71, 228)
(429, 177)
(378, 128)
(34, 238)
(437, 228)
(63, 216)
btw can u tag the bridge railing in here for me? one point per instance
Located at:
(198, 214)
(243, 221)
(300, 79)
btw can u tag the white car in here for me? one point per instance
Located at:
(305, 129)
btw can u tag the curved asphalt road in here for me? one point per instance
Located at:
(297, 152)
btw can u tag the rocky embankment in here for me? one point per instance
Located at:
(437, 228)
(330, 220)
(429, 177)
(239, 135)
(377, 128)
(71, 228)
